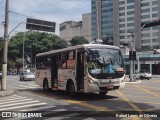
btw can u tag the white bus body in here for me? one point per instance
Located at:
(81, 68)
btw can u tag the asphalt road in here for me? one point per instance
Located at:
(135, 101)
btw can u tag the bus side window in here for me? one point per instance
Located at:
(63, 61)
(71, 60)
(48, 62)
(38, 61)
(43, 62)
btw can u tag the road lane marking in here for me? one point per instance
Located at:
(33, 85)
(143, 96)
(30, 105)
(11, 97)
(156, 81)
(131, 104)
(8, 99)
(146, 90)
(19, 103)
(39, 108)
(128, 101)
(150, 87)
(128, 91)
(27, 86)
(15, 101)
(99, 108)
(146, 102)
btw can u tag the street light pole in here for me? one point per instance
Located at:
(5, 48)
(23, 49)
(132, 62)
(97, 16)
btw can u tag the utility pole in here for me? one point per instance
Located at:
(131, 60)
(5, 48)
(132, 57)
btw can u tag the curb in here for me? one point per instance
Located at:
(6, 92)
(138, 81)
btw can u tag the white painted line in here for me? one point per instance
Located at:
(39, 108)
(13, 96)
(15, 101)
(30, 105)
(27, 86)
(9, 99)
(89, 119)
(18, 103)
(33, 85)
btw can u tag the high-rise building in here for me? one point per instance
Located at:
(103, 22)
(115, 21)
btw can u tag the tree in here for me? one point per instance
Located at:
(35, 42)
(78, 40)
(19, 64)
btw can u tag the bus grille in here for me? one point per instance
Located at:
(108, 83)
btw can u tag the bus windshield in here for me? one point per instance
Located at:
(105, 63)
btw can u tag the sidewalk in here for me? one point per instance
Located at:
(128, 80)
(6, 92)
(136, 81)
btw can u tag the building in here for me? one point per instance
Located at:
(86, 24)
(104, 26)
(117, 26)
(70, 29)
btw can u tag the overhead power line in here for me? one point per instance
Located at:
(19, 14)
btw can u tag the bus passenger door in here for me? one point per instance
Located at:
(80, 71)
(54, 72)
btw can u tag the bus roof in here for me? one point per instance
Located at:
(76, 47)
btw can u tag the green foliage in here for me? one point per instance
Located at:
(34, 42)
(19, 63)
(78, 40)
(11, 64)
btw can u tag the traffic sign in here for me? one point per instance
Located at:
(40, 25)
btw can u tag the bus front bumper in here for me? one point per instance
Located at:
(94, 87)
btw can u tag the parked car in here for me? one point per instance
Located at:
(26, 76)
(143, 75)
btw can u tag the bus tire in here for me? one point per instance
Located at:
(103, 93)
(141, 77)
(45, 85)
(71, 89)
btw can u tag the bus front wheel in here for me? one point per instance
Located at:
(45, 85)
(103, 93)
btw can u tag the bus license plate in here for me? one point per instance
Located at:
(109, 87)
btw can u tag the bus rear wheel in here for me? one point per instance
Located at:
(45, 85)
(71, 89)
(103, 93)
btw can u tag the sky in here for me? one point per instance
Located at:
(50, 10)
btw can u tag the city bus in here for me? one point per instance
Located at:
(81, 68)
